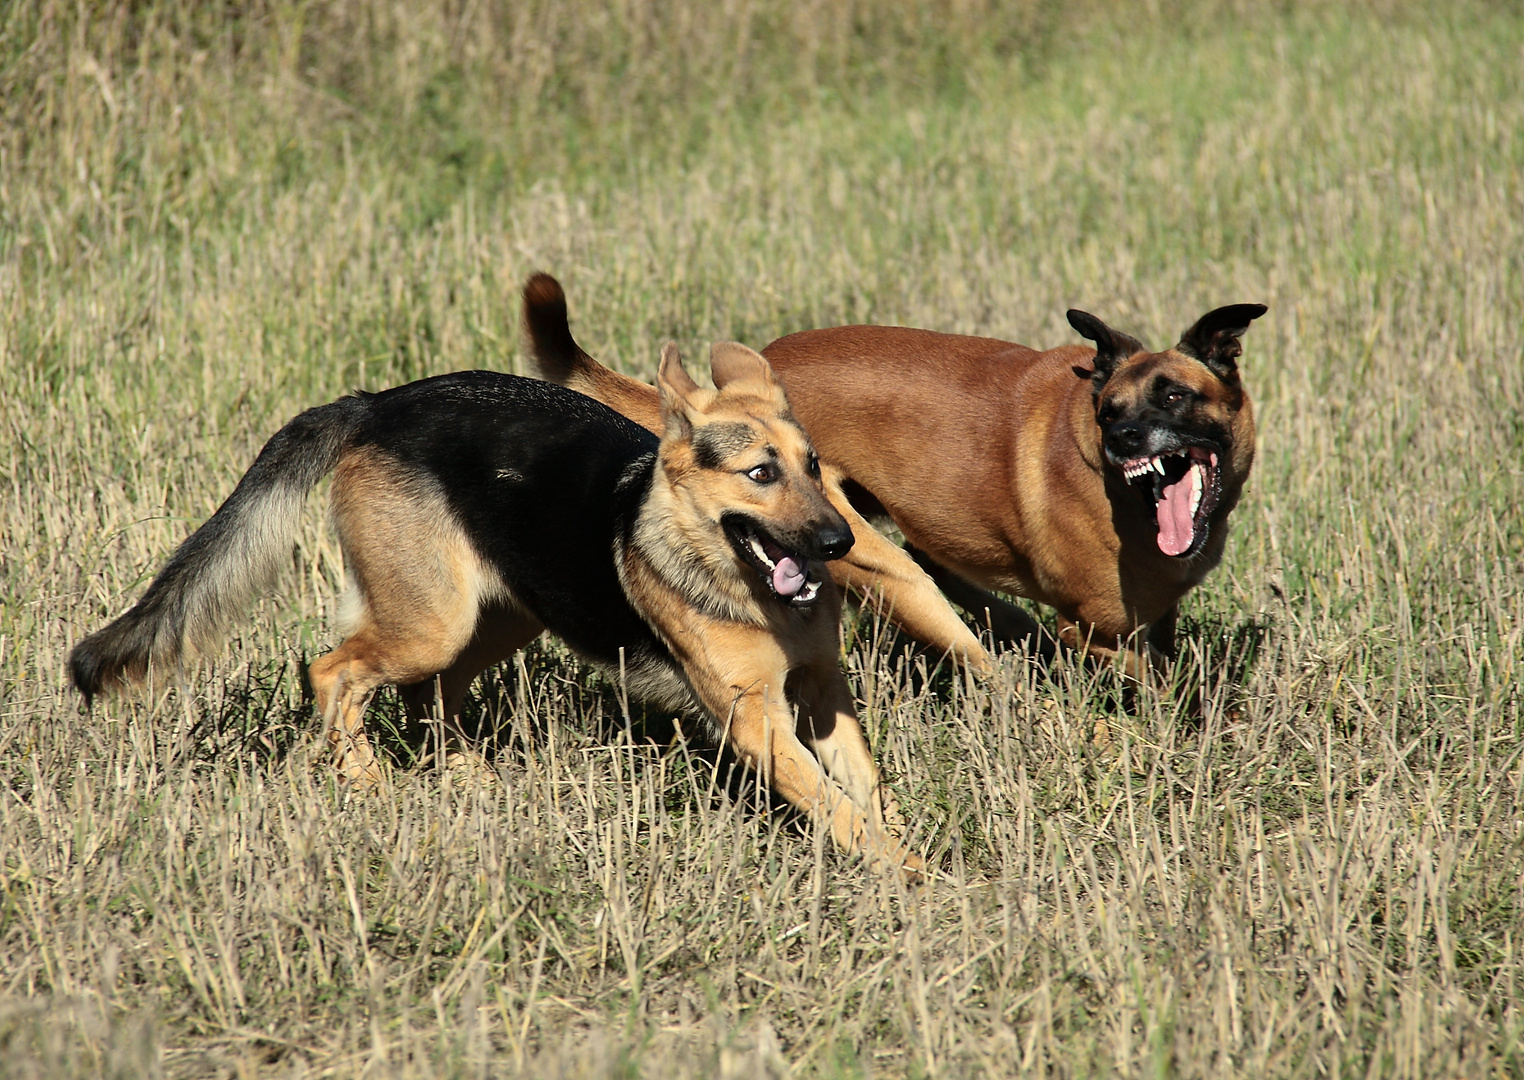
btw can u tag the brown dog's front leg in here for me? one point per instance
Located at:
(1006, 621)
(1084, 640)
(892, 585)
(1161, 632)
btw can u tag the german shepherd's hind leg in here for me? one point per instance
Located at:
(418, 588)
(343, 682)
(501, 631)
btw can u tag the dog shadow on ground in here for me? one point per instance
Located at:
(1216, 654)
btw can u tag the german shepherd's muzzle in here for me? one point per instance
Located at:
(789, 563)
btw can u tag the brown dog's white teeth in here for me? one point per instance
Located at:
(1136, 468)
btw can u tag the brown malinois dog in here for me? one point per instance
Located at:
(1095, 480)
(477, 509)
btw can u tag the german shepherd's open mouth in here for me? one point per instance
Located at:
(1185, 485)
(791, 576)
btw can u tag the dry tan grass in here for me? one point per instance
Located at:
(211, 221)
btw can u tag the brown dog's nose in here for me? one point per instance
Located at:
(1125, 439)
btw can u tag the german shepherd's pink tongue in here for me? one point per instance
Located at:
(788, 577)
(1177, 522)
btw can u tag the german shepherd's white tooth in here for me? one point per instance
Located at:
(756, 546)
(1158, 464)
(1198, 485)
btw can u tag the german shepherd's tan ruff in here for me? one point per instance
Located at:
(1095, 480)
(477, 509)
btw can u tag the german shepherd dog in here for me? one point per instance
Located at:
(1097, 480)
(477, 509)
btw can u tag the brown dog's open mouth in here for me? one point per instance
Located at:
(1184, 485)
(790, 576)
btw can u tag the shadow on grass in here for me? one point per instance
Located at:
(1215, 653)
(264, 711)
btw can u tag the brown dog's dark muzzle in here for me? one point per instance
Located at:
(1126, 439)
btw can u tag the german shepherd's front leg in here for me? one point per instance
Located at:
(744, 686)
(828, 725)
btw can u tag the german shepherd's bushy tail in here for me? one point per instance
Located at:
(558, 358)
(215, 575)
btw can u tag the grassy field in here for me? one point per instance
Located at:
(213, 216)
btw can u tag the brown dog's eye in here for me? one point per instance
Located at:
(762, 474)
(814, 466)
(1174, 397)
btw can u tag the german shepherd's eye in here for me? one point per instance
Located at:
(1173, 396)
(762, 474)
(814, 465)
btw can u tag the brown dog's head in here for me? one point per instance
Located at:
(1167, 419)
(739, 465)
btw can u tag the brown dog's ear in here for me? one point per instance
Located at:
(1111, 346)
(1214, 338)
(677, 390)
(730, 361)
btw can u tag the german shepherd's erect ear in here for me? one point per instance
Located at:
(733, 362)
(680, 395)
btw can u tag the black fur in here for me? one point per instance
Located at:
(1111, 346)
(545, 482)
(1214, 340)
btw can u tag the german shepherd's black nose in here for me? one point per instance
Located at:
(832, 542)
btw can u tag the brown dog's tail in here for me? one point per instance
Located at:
(558, 358)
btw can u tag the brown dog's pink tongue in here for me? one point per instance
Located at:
(1177, 525)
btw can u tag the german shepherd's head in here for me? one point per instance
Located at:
(1175, 427)
(742, 483)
